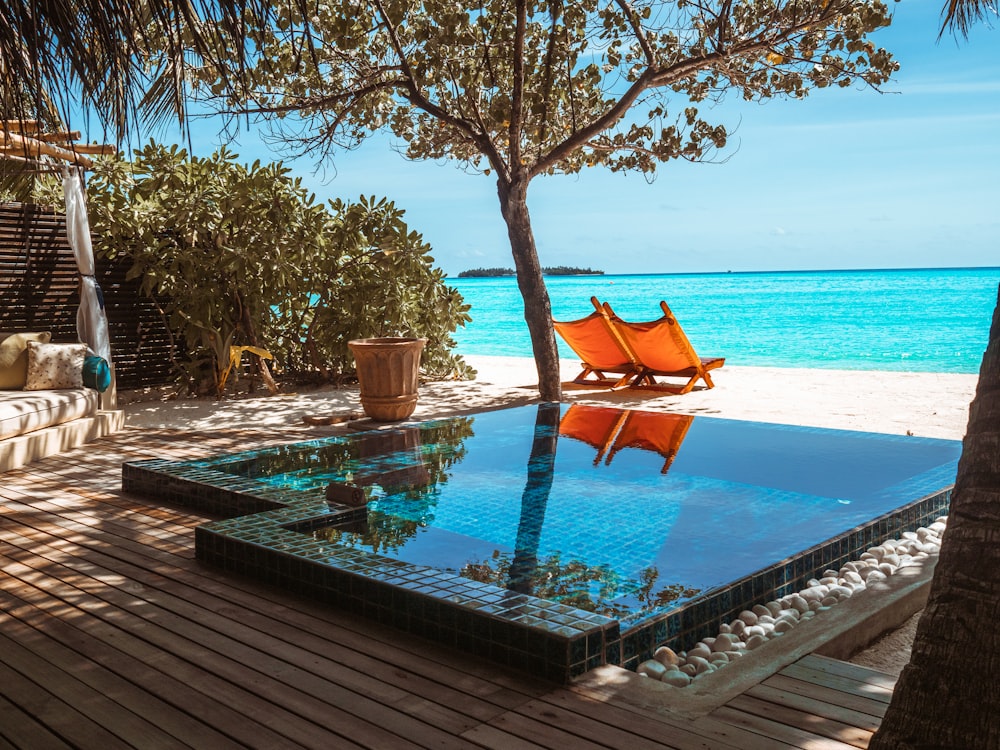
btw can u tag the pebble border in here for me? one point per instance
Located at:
(754, 627)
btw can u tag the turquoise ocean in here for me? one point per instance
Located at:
(926, 320)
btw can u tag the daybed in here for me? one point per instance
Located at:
(45, 407)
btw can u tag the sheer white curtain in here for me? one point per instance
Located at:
(91, 321)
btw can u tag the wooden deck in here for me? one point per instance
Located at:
(112, 635)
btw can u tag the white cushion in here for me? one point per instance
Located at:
(26, 411)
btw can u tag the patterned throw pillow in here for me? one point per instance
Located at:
(14, 357)
(54, 366)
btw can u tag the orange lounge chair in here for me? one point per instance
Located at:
(600, 350)
(611, 430)
(660, 348)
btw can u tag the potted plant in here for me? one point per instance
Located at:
(388, 372)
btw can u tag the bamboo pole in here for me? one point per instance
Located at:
(33, 148)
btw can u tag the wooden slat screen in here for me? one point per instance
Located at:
(39, 290)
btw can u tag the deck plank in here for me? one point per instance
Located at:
(837, 730)
(105, 612)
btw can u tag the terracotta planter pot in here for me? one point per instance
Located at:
(388, 373)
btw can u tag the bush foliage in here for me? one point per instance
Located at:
(245, 256)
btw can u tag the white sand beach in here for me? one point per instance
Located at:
(922, 404)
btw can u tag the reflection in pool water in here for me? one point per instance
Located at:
(614, 511)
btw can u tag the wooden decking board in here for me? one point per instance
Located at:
(204, 686)
(21, 729)
(543, 733)
(144, 715)
(821, 692)
(58, 701)
(589, 727)
(199, 722)
(837, 682)
(655, 727)
(854, 672)
(366, 669)
(775, 730)
(106, 584)
(494, 739)
(820, 725)
(315, 698)
(815, 707)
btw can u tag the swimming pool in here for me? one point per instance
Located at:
(558, 538)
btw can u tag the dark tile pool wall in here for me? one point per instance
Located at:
(682, 628)
(546, 638)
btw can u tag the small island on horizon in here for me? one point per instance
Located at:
(550, 271)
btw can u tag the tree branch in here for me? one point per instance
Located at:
(517, 93)
(640, 33)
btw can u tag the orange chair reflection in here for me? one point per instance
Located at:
(611, 430)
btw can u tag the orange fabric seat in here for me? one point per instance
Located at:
(660, 348)
(599, 348)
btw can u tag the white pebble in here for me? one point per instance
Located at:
(774, 607)
(800, 604)
(876, 575)
(651, 668)
(755, 641)
(853, 577)
(887, 569)
(719, 658)
(689, 669)
(699, 650)
(755, 630)
(666, 656)
(748, 617)
(783, 626)
(724, 643)
(676, 678)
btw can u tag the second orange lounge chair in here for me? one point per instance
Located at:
(660, 348)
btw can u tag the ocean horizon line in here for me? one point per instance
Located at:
(606, 274)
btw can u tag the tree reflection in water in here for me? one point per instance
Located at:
(412, 464)
(402, 472)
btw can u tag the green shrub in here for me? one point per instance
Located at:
(245, 256)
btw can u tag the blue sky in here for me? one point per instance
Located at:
(843, 179)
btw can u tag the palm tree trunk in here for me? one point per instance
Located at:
(537, 308)
(948, 696)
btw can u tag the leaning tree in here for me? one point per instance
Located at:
(523, 88)
(948, 695)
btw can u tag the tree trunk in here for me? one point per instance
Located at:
(948, 696)
(537, 308)
(534, 499)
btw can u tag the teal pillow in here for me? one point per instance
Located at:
(96, 373)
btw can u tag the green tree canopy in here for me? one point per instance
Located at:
(522, 88)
